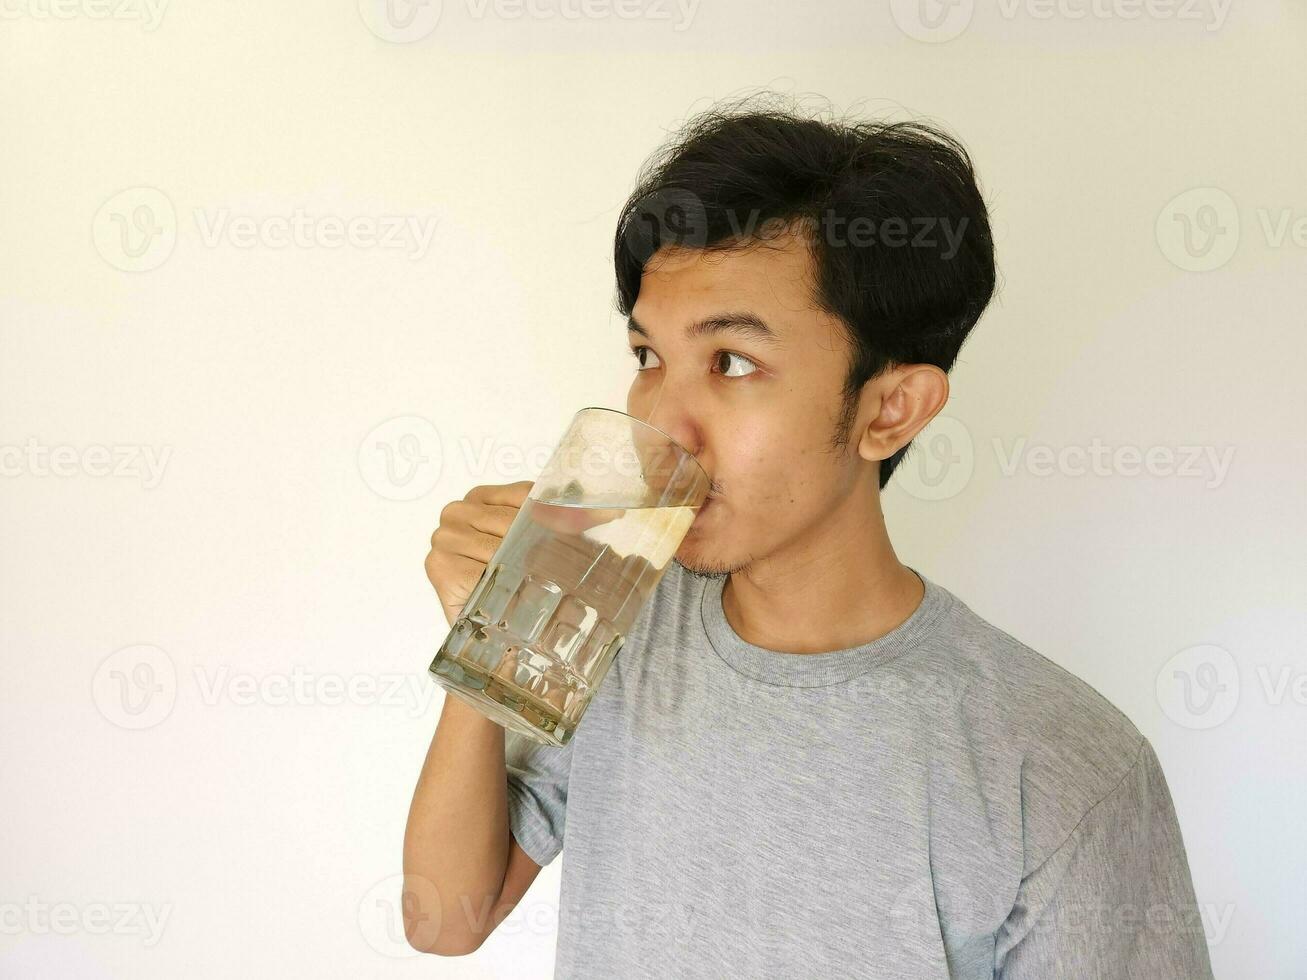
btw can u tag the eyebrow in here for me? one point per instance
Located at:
(741, 324)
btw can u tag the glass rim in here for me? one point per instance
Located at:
(617, 411)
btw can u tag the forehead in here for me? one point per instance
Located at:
(770, 278)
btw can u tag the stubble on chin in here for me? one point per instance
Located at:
(708, 569)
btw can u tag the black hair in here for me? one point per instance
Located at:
(740, 172)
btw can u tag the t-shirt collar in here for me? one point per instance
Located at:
(815, 669)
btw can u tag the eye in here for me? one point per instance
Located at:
(642, 355)
(740, 357)
(639, 354)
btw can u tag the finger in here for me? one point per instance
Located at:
(490, 518)
(454, 579)
(504, 494)
(462, 541)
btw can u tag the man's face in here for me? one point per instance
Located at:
(737, 364)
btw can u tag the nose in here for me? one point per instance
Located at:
(669, 412)
(680, 429)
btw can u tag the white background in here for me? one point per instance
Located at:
(258, 598)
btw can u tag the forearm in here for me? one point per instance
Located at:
(457, 836)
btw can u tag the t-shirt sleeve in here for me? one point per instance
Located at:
(1116, 899)
(537, 794)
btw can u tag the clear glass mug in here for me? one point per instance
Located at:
(555, 603)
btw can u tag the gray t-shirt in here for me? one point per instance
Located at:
(939, 802)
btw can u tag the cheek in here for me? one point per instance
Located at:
(782, 471)
(767, 469)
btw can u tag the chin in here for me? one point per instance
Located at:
(706, 566)
(693, 567)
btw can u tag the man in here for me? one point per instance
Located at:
(808, 758)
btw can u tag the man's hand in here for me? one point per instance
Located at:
(472, 529)
(470, 532)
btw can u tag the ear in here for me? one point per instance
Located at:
(902, 402)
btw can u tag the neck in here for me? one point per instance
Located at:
(836, 586)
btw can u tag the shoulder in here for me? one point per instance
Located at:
(1070, 746)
